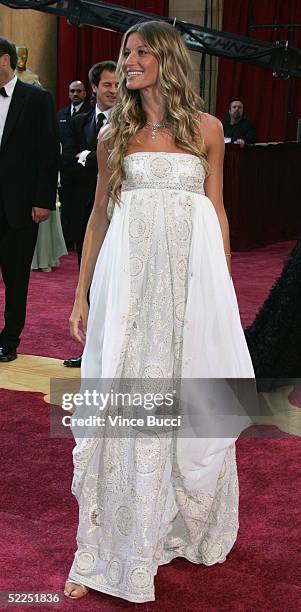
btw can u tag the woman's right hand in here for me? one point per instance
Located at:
(78, 320)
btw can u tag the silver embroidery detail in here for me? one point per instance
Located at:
(85, 561)
(114, 571)
(140, 577)
(124, 520)
(147, 452)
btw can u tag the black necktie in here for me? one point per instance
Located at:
(3, 92)
(99, 122)
(74, 111)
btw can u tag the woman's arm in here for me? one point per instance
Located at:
(213, 134)
(94, 237)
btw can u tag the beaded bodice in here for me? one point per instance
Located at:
(173, 171)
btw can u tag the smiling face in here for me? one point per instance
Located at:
(139, 65)
(106, 91)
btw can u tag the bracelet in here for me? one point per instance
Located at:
(228, 254)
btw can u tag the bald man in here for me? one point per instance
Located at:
(78, 105)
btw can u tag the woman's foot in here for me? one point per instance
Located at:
(75, 590)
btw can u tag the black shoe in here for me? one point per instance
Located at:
(7, 353)
(73, 362)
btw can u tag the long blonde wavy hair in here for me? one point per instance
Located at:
(182, 104)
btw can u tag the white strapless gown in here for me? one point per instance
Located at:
(162, 306)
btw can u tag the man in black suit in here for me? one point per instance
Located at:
(78, 104)
(80, 155)
(238, 129)
(29, 154)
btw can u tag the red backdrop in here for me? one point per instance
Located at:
(265, 96)
(80, 48)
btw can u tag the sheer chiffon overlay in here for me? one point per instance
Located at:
(163, 306)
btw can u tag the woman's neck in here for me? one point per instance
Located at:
(153, 105)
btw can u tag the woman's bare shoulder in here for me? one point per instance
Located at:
(211, 123)
(212, 130)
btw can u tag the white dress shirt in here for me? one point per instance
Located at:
(5, 103)
(75, 109)
(83, 154)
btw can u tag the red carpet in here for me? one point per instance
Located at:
(39, 518)
(51, 297)
(254, 273)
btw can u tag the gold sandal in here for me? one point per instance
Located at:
(76, 584)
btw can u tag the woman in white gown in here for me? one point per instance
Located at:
(162, 306)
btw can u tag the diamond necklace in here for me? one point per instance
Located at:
(154, 127)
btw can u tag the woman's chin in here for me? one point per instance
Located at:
(132, 86)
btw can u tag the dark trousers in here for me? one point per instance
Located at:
(16, 252)
(86, 212)
(66, 197)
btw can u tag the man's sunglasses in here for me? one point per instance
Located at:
(76, 90)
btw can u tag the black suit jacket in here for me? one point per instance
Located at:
(29, 154)
(82, 137)
(243, 129)
(64, 118)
